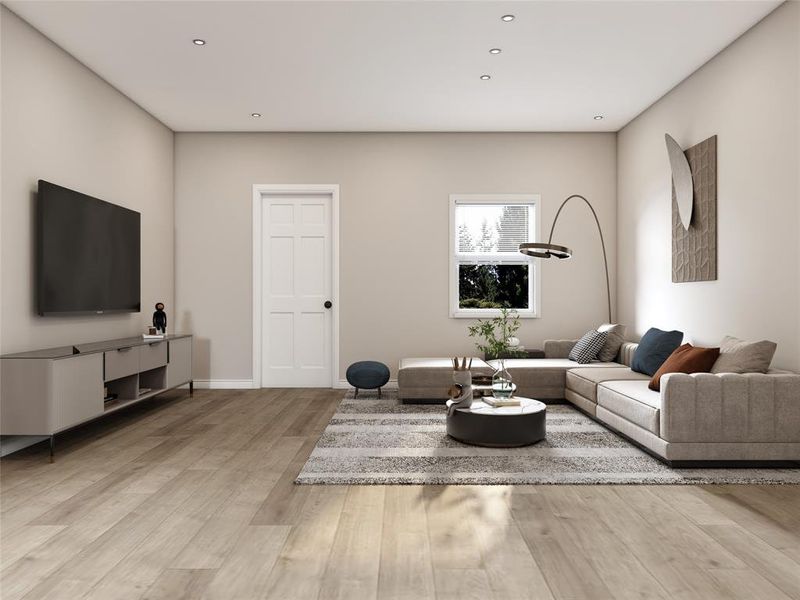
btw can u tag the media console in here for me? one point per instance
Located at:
(45, 392)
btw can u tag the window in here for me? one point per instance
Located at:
(487, 272)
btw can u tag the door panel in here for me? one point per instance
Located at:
(282, 274)
(312, 276)
(311, 327)
(281, 214)
(281, 338)
(313, 214)
(297, 280)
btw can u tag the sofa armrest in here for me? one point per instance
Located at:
(729, 407)
(626, 352)
(558, 348)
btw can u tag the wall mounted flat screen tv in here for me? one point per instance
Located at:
(87, 254)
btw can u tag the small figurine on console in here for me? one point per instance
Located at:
(160, 319)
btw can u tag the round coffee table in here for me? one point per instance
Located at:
(502, 427)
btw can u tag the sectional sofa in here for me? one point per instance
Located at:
(699, 419)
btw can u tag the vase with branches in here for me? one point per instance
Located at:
(492, 337)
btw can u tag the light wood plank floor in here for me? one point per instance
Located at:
(193, 498)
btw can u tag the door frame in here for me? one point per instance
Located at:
(260, 191)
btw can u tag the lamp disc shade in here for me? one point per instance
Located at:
(545, 250)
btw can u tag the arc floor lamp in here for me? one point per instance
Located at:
(551, 250)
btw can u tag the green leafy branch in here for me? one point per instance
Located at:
(492, 334)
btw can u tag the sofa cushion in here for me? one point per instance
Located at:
(550, 364)
(588, 347)
(558, 348)
(738, 356)
(427, 372)
(633, 401)
(615, 337)
(584, 381)
(686, 359)
(654, 348)
(544, 378)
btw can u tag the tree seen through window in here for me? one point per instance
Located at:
(493, 285)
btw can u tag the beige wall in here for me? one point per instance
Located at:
(394, 233)
(62, 123)
(748, 96)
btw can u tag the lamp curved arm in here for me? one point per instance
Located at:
(602, 241)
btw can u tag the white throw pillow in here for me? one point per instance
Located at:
(738, 356)
(614, 340)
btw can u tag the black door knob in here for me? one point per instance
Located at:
(328, 304)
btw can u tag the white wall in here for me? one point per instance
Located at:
(62, 123)
(749, 97)
(394, 233)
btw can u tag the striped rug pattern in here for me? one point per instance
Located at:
(381, 441)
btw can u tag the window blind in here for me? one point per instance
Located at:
(492, 229)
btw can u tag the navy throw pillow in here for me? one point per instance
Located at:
(654, 348)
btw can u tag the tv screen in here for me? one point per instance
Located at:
(88, 254)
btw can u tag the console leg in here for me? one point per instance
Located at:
(52, 448)
(191, 388)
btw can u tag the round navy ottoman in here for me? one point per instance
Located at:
(367, 375)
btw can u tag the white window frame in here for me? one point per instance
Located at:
(534, 289)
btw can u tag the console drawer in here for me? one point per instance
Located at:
(121, 362)
(152, 355)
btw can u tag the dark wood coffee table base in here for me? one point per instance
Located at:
(506, 427)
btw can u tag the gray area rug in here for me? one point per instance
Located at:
(381, 441)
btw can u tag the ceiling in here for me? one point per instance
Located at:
(393, 66)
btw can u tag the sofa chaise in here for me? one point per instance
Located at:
(426, 380)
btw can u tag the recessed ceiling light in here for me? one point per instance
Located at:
(485, 77)
(598, 117)
(495, 51)
(255, 115)
(507, 18)
(199, 42)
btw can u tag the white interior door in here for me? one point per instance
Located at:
(296, 285)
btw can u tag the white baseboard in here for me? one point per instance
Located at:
(223, 384)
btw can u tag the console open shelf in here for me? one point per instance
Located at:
(154, 379)
(124, 388)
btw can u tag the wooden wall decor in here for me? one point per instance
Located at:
(694, 250)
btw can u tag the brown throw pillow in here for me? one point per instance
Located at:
(686, 359)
